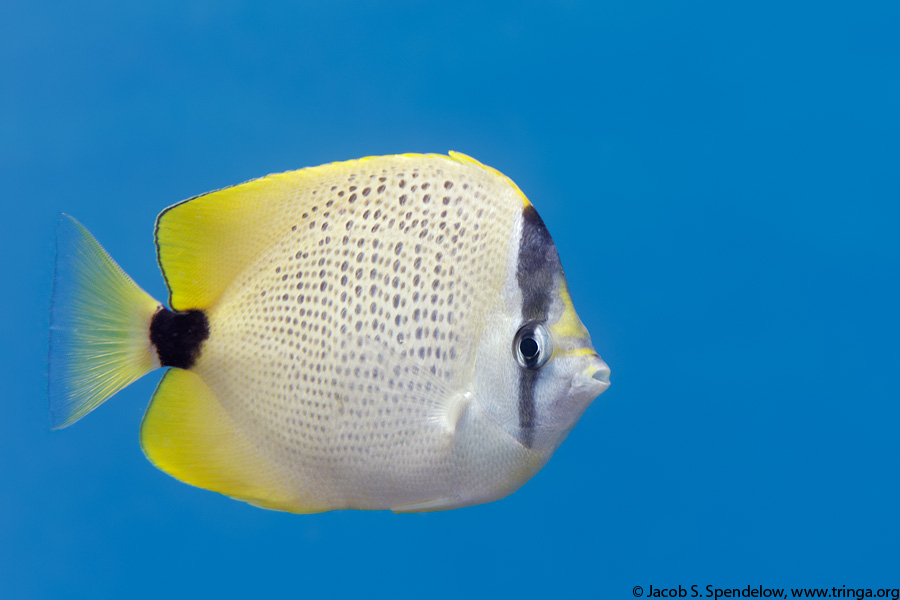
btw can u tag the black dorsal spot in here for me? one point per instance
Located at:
(178, 336)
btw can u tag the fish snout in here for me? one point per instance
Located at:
(601, 370)
(594, 376)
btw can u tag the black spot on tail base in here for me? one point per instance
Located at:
(178, 336)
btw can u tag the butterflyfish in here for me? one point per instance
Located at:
(393, 332)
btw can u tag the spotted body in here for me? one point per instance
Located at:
(388, 333)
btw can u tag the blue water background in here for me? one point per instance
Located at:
(721, 180)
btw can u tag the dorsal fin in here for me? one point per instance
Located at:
(205, 242)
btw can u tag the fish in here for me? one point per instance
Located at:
(387, 333)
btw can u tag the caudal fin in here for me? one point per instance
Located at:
(99, 326)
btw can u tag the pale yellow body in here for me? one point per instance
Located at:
(362, 318)
(344, 351)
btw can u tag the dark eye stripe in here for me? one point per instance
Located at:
(538, 264)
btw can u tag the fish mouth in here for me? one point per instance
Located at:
(595, 375)
(601, 372)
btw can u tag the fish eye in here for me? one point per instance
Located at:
(532, 346)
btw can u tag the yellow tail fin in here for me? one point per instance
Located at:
(99, 326)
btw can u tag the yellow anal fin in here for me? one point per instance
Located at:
(188, 434)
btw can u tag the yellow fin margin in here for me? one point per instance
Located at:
(468, 160)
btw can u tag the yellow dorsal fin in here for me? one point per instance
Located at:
(204, 243)
(188, 434)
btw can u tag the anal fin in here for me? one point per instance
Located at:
(188, 434)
